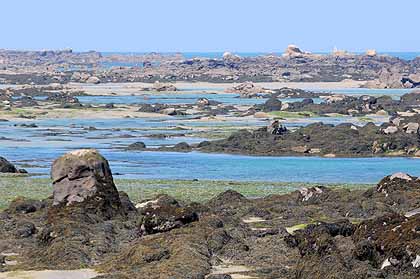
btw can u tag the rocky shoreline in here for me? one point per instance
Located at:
(311, 233)
(295, 65)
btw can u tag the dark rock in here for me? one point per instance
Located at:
(21, 205)
(136, 146)
(6, 166)
(272, 104)
(25, 229)
(165, 214)
(182, 146)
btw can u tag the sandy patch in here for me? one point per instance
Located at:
(136, 88)
(51, 274)
(251, 220)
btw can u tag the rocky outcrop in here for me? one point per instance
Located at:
(294, 51)
(323, 139)
(248, 90)
(64, 99)
(83, 179)
(272, 104)
(314, 232)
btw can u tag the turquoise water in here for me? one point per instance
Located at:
(395, 93)
(53, 137)
(169, 165)
(189, 55)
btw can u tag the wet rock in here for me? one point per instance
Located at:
(137, 146)
(206, 102)
(172, 112)
(21, 205)
(309, 194)
(6, 166)
(272, 104)
(390, 241)
(25, 229)
(126, 203)
(397, 182)
(155, 108)
(203, 102)
(110, 106)
(32, 125)
(83, 178)
(182, 146)
(227, 198)
(165, 214)
(64, 99)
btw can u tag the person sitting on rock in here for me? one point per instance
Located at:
(276, 128)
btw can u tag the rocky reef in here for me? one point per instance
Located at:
(345, 139)
(296, 65)
(311, 233)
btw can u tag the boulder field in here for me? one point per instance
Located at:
(311, 233)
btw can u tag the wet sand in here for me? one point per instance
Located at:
(137, 88)
(50, 274)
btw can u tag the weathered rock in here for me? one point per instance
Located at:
(93, 80)
(294, 51)
(411, 128)
(390, 130)
(83, 178)
(371, 52)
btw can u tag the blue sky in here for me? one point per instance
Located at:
(210, 25)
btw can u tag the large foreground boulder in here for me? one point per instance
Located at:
(82, 178)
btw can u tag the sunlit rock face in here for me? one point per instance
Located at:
(83, 178)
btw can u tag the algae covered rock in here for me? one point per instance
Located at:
(165, 214)
(84, 177)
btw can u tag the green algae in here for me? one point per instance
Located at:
(141, 189)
